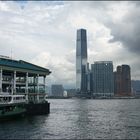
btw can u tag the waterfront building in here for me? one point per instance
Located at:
(88, 78)
(118, 80)
(57, 90)
(81, 62)
(71, 92)
(18, 77)
(102, 78)
(91, 81)
(135, 87)
(122, 80)
(126, 79)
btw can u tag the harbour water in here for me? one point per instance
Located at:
(79, 119)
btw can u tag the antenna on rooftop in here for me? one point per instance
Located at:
(11, 53)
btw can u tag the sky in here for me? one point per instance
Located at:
(44, 33)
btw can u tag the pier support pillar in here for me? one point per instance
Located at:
(14, 83)
(34, 83)
(0, 80)
(37, 83)
(26, 89)
(44, 82)
(38, 88)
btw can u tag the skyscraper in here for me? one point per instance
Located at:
(126, 79)
(103, 84)
(118, 80)
(57, 90)
(122, 80)
(81, 61)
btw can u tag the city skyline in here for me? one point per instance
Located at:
(44, 33)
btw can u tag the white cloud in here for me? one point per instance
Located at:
(44, 33)
(62, 67)
(3, 6)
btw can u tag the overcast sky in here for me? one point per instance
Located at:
(44, 33)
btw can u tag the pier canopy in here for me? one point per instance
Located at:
(21, 77)
(23, 66)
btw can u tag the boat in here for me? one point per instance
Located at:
(12, 106)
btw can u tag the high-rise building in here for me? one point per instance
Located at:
(118, 80)
(88, 78)
(126, 79)
(135, 87)
(102, 78)
(57, 90)
(81, 62)
(122, 80)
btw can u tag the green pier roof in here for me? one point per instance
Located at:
(22, 65)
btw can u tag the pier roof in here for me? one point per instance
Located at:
(20, 65)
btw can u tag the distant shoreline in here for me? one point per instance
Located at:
(93, 98)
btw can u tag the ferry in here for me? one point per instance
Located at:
(12, 106)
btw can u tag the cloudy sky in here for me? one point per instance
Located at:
(44, 33)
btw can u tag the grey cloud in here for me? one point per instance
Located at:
(100, 5)
(127, 31)
(52, 28)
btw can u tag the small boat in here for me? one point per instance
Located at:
(12, 106)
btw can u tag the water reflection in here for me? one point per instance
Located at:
(79, 119)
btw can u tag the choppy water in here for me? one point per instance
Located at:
(79, 119)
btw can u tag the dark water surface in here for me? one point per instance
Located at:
(79, 119)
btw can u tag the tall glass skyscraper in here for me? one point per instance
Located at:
(81, 61)
(103, 80)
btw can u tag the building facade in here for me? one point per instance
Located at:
(57, 90)
(22, 78)
(122, 80)
(81, 62)
(135, 87)
(118, 80)
(102, 78)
